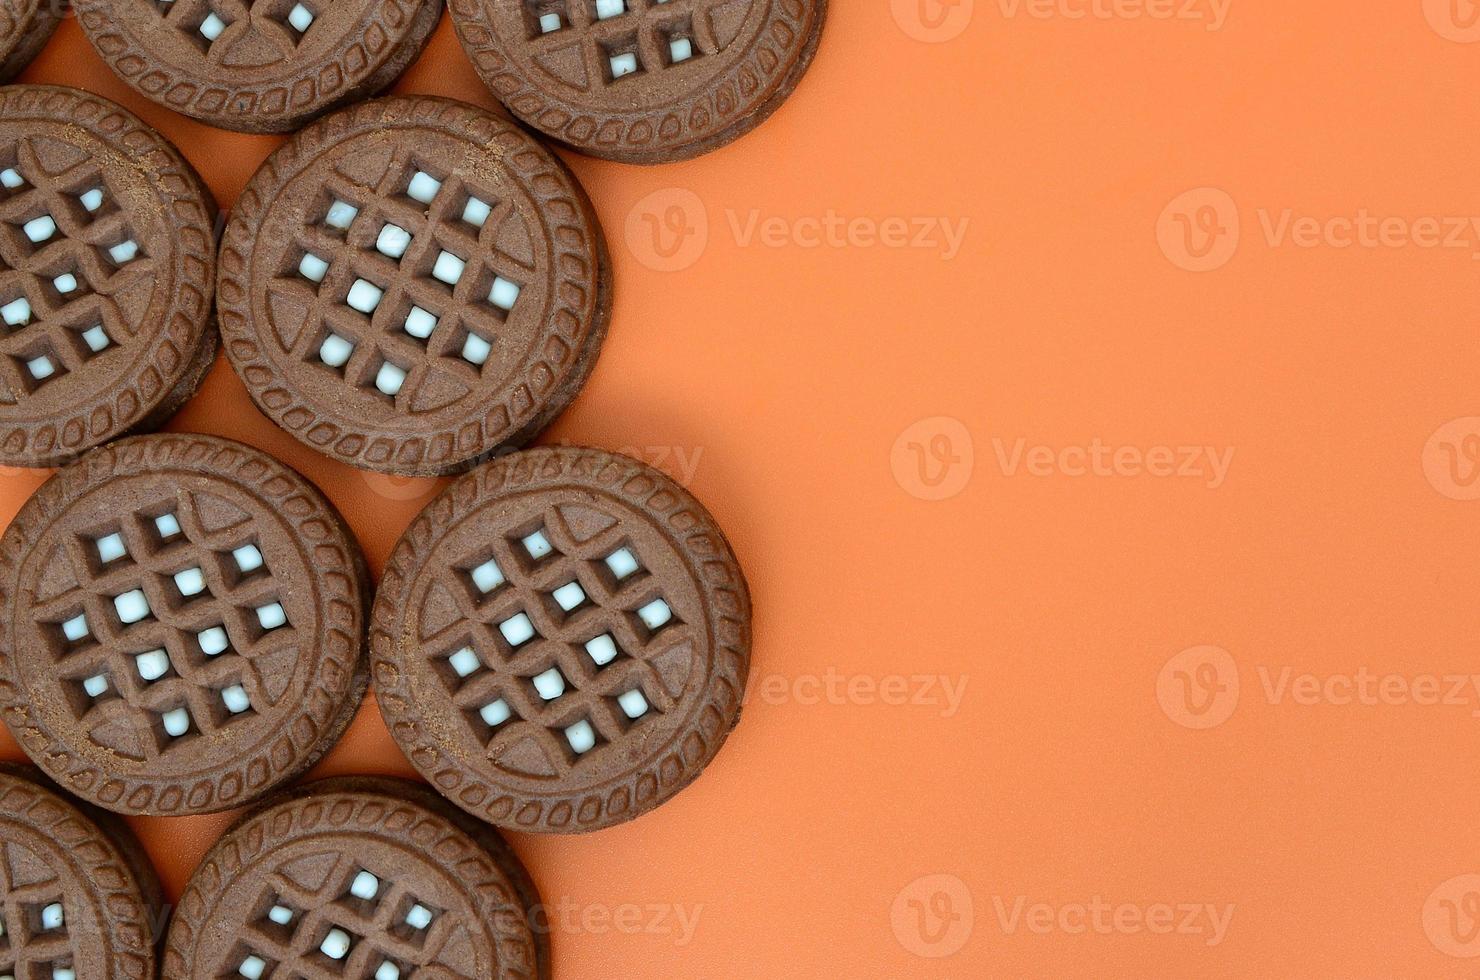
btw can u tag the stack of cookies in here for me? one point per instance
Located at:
(411, 285)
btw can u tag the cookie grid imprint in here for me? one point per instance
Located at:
(641, 80)
(258, 65)
(412, 283)
(72, 903)
(107, 264)
(181, 625)
(561, 640)
(337, 884)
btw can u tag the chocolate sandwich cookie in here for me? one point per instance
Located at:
(561, 640)
(78, 897)
(641, 81)
(107, 272)
(371, 879)
(258, 66)
(412, 284)
(181, 625)
(25, 27)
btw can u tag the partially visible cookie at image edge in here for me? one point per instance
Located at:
(359, 877)
(107, 274)
(25, 27)
(78, 896)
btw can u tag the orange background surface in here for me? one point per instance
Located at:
(850, 405)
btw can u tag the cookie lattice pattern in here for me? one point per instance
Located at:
(66, 249)
(34, 939)
(622, 38)
(407, 295)
(213, 26)
(359, 923)
(553, 641)
(157, 644)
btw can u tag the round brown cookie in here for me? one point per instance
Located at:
(78, 897)
(358, 878)
(107, 272)
(561, 640)
(641, 81)
(181, 625)
(412, 284)
(25, 27)
(258, 66)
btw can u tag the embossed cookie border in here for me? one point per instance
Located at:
(122, 914)
(387, 808)
(726, 597)
(334, 689)
(31, 23)
(557, 365)
(175, 357)
(390, 36)
(779, 55)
